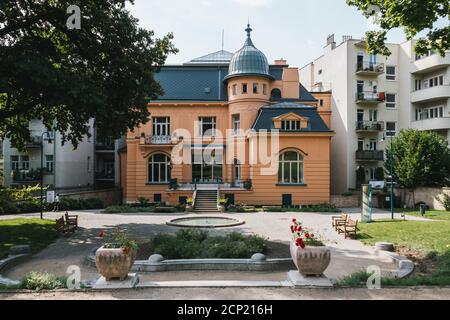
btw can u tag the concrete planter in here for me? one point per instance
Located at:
(114, 263)
(310, 261)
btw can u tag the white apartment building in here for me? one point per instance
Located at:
(91, 165)
(374, 97)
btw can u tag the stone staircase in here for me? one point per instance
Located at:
(206, 201)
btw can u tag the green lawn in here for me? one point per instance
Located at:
(35, 232)
(435, 215)
(430, 237)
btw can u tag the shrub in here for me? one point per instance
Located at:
(80, 204)
(347, 194)
(248, 185)
(29, 206)
(199, 244)
(143, 202)
(445, 201)
(127, 209)
(43, 281)
(165, 210)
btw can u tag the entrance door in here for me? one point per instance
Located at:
(207, 169)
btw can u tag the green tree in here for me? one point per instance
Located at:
(414, 16)
(64, 77)
(421, 159)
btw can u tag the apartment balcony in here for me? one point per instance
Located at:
(369, 155)
(26, 175)
(370, 97)
(34, 142)
(431, 94)
(158, 140)
(430, 64)
(369, 126)
(367, 68)
(431, 124)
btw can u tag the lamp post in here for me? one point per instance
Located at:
(42, 169)
(391, 171)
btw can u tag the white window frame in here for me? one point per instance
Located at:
(391, 133)
(236, 122)
(264, 89)
(255, 88)
(244, 88)
(25, 164)
(15, 164)
(234, 89)
(161, 165)
(391, 103)
(300, 167)
(394, 75)
(290, 125)
(49, 164)
(161, 126)
(213, 123)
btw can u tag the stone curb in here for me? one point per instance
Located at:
(9, 262)
(205, 264)
(405, 266)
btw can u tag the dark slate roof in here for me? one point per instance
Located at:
(305, 95)
(219, 57)
(267, 113)
(198, 82)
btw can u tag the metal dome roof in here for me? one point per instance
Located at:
(248, 61)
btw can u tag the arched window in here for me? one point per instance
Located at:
(290, 168)
(275, 94)
(158, 168)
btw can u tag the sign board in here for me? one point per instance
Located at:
(50, 196)
(377, 184)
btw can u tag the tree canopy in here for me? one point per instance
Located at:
(64, 77)
(414, 16)
(421, 159)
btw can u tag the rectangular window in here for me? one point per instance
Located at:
(373, 115)
(25, 162)
(49, 164)
(264, 89)
(373, 144)
(390, 129)
(391, 73)
(207, 126)
(372, 173)
(290, 125)
(236, 119)
(321, 102)
(161, 126)
(234, 89)
(255, 88)
(391, 100)
(360, 144)
(418, 85)
(244, 88)
(15, 163)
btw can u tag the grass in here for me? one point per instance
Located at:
(198, 244)
(137, 209)
(36, 233)
(434, 215)
(429, 237)
(38, 281)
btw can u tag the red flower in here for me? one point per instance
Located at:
(292, 229)
(294, 220)
(301, 243)
(101, 234)
(312, 235)
(126, 250)
(299, 228)
(307, 236)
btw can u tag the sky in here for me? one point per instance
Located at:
(295, 30)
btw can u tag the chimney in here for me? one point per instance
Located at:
(280, 62)
(330, 41)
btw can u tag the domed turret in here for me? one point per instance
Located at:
(248, 61)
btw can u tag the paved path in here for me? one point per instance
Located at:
(416, 293)
(347, 255)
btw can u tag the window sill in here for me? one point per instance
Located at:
(157, 183)
(291, 185)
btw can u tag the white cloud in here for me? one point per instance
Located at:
(254, 3)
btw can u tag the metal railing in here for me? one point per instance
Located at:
(370, 155)
(369, 126)
(370, 67)
(370, 96)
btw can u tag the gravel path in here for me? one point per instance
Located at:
(347, 255)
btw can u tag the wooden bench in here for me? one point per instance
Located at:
(337, 221)
(71, 220)
(349, 228)
(63, 228)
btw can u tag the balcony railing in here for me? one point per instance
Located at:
(369, 155)
(156, 140)
(34, 142)
(369, 126)
(369, 68)
(26, 175)
(370, 97)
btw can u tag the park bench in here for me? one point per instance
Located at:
(71, 220)
(349, 228)
(63, 227)
(337, 221)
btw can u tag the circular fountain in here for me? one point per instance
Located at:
(205, 222)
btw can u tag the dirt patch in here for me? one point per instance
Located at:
(424, 263)
(273, 250)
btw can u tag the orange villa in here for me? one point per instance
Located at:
(231, 126)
